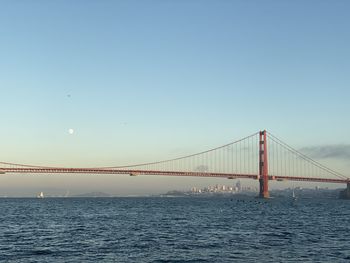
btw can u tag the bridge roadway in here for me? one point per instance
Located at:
(48, 170)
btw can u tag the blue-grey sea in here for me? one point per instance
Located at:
(184, 229)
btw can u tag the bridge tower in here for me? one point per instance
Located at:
(263, 166)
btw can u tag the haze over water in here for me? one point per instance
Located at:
(226, 229)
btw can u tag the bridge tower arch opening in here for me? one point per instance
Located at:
(263, 166)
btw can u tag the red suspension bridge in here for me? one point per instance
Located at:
(260, 156)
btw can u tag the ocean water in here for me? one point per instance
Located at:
(185, 229)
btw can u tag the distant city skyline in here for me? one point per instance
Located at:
(104, 83)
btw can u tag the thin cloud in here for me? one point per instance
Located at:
(328, 152)
(202, 168)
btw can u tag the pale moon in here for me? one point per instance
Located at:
(70, 131)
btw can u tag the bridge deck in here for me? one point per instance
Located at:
(164, 173)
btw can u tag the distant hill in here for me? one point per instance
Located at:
(93, 194)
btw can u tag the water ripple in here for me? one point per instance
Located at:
(174, 230)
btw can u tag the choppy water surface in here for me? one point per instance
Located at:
(228, 229)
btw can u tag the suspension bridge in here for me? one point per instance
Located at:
(260, 156)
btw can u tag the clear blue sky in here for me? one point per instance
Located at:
(147, 80)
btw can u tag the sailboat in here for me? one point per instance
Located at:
(294, 196)
(40, 195)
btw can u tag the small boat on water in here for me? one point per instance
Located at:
(40, 195)
(294, 196)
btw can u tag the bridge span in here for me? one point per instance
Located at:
(249, 158)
